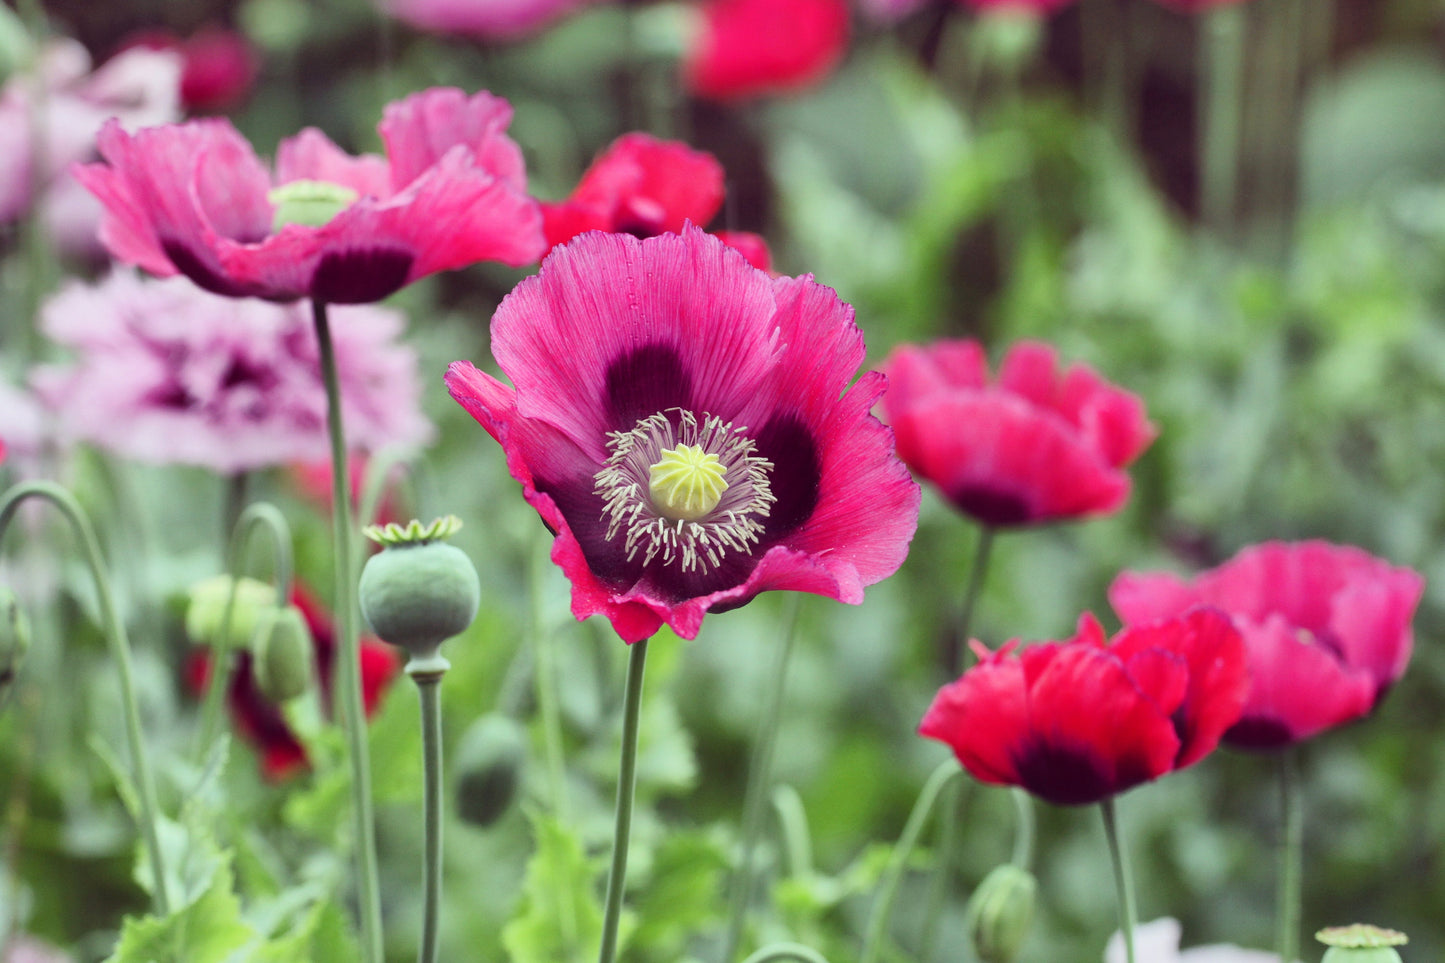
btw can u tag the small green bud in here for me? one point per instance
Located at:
(1007, 37)
(418, 592)
(488, 768)
(1361, 943)
(14, 639)
(282, 654)
(999, 913)
(208, 606)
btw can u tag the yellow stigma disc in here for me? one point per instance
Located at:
(687, 482)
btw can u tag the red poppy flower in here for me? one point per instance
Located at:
(683, 423)
(644, 187)
(193, 199)
(751, 47)
(259, 720)
(1077, 721)
(1327, 628)
(1037, 445)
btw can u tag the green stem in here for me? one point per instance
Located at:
(427, 674)
(353, 717)
(787, 951)
(261, 516)
(1221, 92)
(1023, 855)
(626, 783)
(1123, 880)
(120, 651)
(1106, 65)
(1290, 857)
(760, 774)
(793, 827)
(982, 553)
(946, 772)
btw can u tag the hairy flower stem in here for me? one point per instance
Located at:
(353, 717)
(1123, 880)
(427, 674)
(1291, 854)
(877, 929)
(760, 774)
(1221, 92)
(261, 516)
(787, 951)
(120, 652)
(626, 783)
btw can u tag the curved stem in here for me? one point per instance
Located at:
(1123, 880)
(760, 774)
(427, 674)
(626, 783)
(787, 951)
(1290, 857)
(946, 772)
(1023, 855)
(120, 651)
(793, 827)
(261, 516)
(353, 717)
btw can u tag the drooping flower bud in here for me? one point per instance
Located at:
(999, 913)
(488, 768)
(208, 606)
(1361, 943)
(418, 592)
(282, 654)
(14, 639)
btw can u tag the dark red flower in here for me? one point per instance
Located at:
(751, 47)
(260, 722)
(1078, 721)
(1327, 628)
(644, 187)
(1038, 445)
(218, 68)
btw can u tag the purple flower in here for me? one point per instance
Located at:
(165, 372)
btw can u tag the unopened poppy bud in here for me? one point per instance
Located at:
(14, 639)
(207, 607)
(418, 592)
(281, 654)
(999, 913)
(488, 768)
(1361, 943)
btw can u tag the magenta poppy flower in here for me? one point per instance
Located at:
(1036, 445)
(194, 199)
(683, 423)
(485, 19)
(644, 186)
(219, 66)
(751, 47)
(1327, 627)
(1078, 721)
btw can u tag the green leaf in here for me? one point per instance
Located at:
(680, 897)
(209, 930)
(322, 937)
(559, 919)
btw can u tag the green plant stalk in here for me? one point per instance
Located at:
(626, 784)
(1290, 857)
(1123, 879)
(760, 774)
(353, 717)
(120, 651)
(787, 951)
(427, 674)
(1221, 90)
(1023, 854)
(260, 516)
(797, 843)
(947, 771)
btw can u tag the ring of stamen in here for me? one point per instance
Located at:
(710, 499)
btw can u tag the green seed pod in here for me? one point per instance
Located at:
(488, 768)
(1361, 943)
(14, 640)
(282, 654)
(418, 592)
(208, 606)
(999, 913)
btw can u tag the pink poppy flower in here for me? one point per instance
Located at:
(219, 66)
(751, 47)
(485, 19)
(193, 199)
(644, 186)
(683, 423)
(1036, 445)
(167, 373)
(1327, 627)
(1075, 722)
